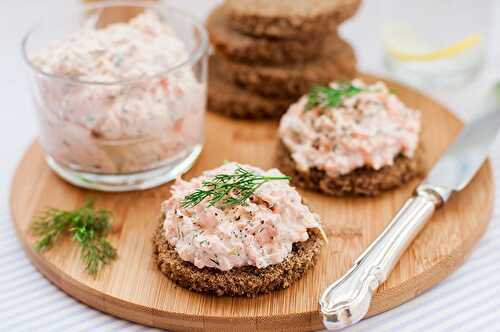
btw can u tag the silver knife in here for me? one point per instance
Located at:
(346, 301)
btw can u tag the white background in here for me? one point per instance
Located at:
(469, 300)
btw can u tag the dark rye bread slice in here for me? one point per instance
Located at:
(243, 281)
(289, 19)
(244, 48)
(364, 181)
(337, 62)
(231, 100)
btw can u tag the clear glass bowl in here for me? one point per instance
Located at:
(121, 135)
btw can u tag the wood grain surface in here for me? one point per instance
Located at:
(134, 289)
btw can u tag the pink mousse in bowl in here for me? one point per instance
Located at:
(120, 105)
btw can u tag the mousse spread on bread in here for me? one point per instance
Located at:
(259, 232)
(236, 230)
(346, 127)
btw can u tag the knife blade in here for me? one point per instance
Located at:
(347, 301)
(466, 154)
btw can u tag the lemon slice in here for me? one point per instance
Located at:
(404, 44)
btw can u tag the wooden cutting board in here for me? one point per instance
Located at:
(134, 289)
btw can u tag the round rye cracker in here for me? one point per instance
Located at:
(364, 181)
(247, 281)
(249, 49)
(229, 99)
(337, 62)
(289, 19)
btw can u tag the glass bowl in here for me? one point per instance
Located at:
(119, 135)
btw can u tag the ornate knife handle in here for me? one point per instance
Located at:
(346, 301)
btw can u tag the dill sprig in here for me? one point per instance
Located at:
(229, 189)
(326, 97)
(87, 227)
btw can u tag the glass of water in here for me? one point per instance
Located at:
(435, 43)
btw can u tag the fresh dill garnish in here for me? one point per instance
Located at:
(325, 96)
(87, 227)
(229, 189)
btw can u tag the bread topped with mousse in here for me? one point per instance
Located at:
(350, 138)
(236, 230)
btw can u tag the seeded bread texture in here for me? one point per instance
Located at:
(244, 48)
(337, 62)
(229, 99)
(292, 19)
(364, 181)
(244, 281)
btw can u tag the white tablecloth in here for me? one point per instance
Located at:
(468, 300)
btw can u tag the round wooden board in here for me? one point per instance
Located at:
(134, 289)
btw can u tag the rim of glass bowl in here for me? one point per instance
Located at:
(200, 51)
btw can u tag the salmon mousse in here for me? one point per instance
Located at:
(236, 230)
(117, 100)
(350, 139)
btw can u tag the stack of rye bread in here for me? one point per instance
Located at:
(268, 53)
